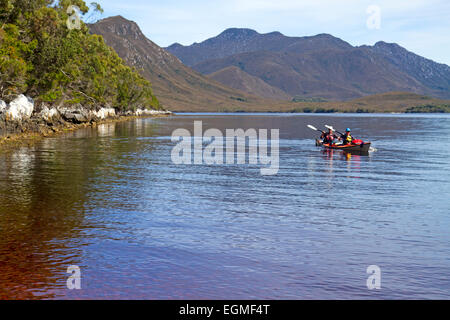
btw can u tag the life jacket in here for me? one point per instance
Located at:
(349, 138)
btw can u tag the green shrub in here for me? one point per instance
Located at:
(429, 109)
(41, 57)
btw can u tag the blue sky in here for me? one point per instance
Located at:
(421, 26)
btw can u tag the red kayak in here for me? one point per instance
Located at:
(357, 146)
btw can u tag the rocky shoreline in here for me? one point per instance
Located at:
(21, 121)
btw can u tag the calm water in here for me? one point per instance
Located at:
(109, 200)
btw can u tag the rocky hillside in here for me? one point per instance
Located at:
(178, 87)
(238, 79)
(432, 74)
(318, 66)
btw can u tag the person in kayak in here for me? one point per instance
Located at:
(328, 137)
(346, 138)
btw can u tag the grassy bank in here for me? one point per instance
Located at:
(398, 102)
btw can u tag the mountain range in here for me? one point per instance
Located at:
(242, 70)
(177, 86)
(320, 66)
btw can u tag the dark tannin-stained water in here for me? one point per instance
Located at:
(110, 200)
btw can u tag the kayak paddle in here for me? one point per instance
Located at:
(331, 127)
(314, 128)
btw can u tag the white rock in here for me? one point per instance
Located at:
(104, 113)
(145, 112)
(75, 113)
(20, 108)
(47, 114)
(71, 109)
(3, 106)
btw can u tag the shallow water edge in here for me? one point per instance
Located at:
(35, 133)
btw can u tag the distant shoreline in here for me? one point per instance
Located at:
(398, 102)
(311, 113)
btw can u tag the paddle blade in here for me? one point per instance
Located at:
(329, 127)
(312, 127)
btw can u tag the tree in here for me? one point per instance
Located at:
(42, 57)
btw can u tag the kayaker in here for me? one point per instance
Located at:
(346, 137)
(328, 137)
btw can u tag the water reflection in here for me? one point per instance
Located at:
(109, 200)
(106, 129)
(36, 212)
(43, 194)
